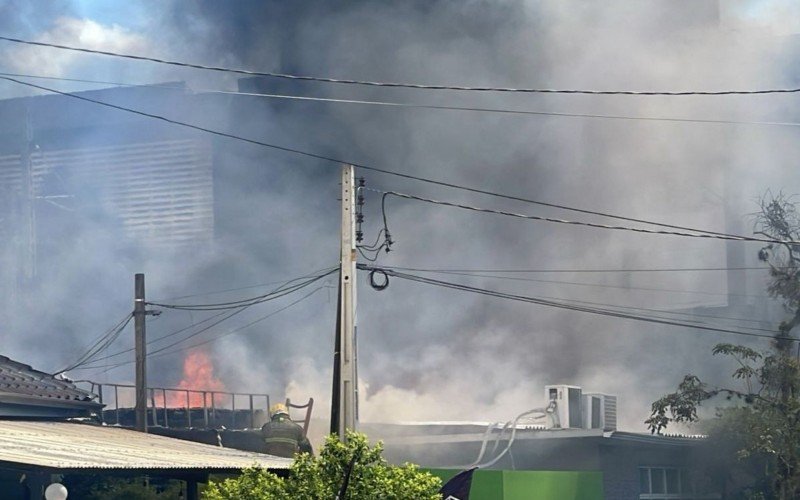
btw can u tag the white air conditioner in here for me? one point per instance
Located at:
(568, 405)
(599, 411)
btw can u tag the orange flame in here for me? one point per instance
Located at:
(198, 375)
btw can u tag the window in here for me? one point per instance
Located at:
(662, 483)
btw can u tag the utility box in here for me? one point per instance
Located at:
(568, 401)
(599, 411)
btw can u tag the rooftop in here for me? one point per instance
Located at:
(66, 446)
(26, 392)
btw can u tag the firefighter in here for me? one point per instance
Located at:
(282, 437)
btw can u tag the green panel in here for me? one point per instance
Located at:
(487, 485)
(531, 485)
(547, 485)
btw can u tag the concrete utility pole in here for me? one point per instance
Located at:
(139, 314)
(344, 408)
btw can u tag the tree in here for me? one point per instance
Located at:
(312, 478)
(764, 424)
(763, 416)
(779, 220)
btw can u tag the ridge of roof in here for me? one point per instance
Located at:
(22, 381)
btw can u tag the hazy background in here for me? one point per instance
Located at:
(427, 353)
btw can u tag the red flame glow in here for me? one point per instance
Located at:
(198, 375)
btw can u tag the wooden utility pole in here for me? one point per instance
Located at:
(344, 408)
(139, 314)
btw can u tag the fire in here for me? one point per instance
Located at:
(198, 375)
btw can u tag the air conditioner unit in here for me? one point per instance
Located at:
(568, 405)
(599, 411)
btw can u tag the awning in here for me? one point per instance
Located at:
(74, 446)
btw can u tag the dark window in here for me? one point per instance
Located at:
(644, 480)
(595, 413)
(672, 480)
(657, 480)
(664, 483)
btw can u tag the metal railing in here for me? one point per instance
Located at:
(212, 407)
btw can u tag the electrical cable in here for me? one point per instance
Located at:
(659, 311)
(283, 284)
(580, 271)
(222, 291)
(372, 258)
(378, 285)
(280, 292)
(597, 285)
(395, 104)
(703, 234)
(365, 167)
(397, 84)
(100, 344)
(654, 313)
(171, 334)
(568, 306)
(163, 351)
(222, 312)
(238, 329)
(193, 334)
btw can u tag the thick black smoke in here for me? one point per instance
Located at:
(438, 354)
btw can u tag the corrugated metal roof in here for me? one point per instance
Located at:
(22, 380)
(68, 445)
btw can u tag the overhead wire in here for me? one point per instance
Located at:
(163, 351)
(654, 312)
(370, 83)
(238, 329)
(594, 285)
(395, 104)
(569, 306)
(570, 271)
(278, 292)
(358, 165)
(706, 235)
(283, 283)
(658, 313)
(171, 334)
(100, 344)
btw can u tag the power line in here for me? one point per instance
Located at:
(238, 329)
(597, 285)
(417, 106)
(248, 287)
(163, 351)
(279, 292)
(365, 167)
(699, 234)
(397, 84)
(176, 332)
(635, 270)
(657, 311)
(568, 306)
(100, 344)
(274, 294)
